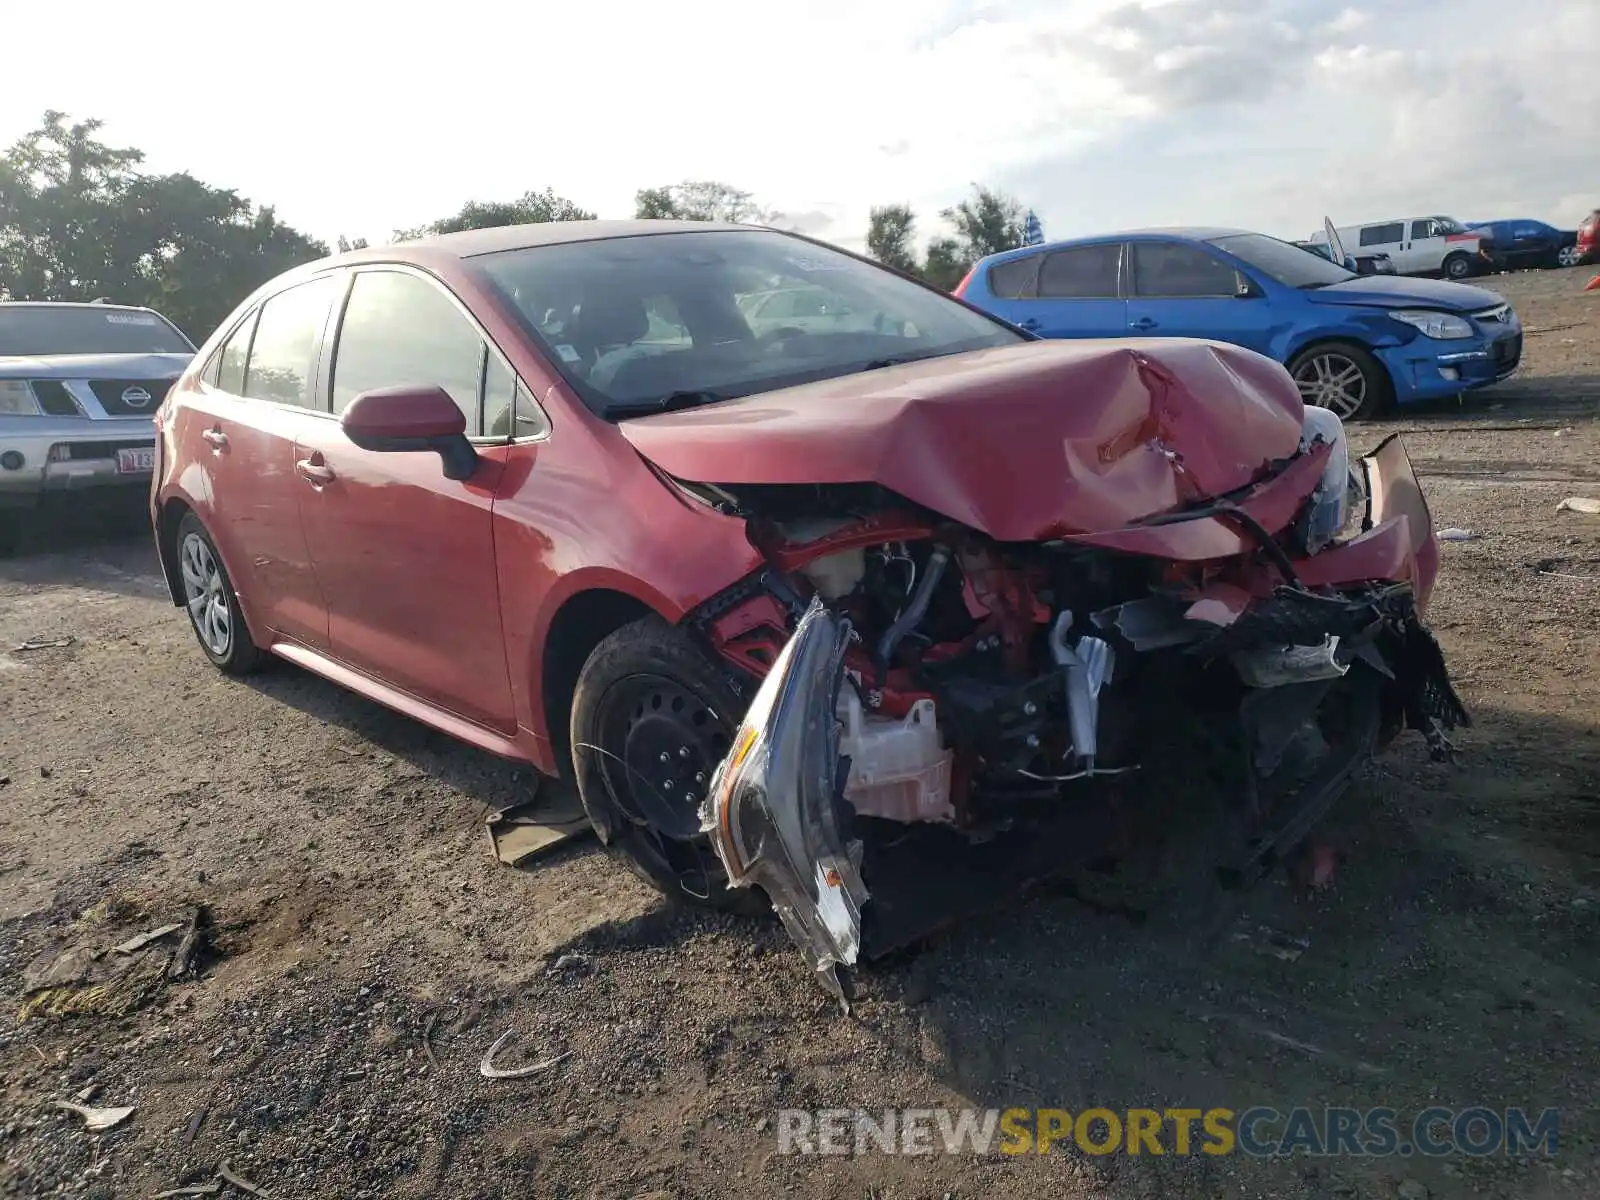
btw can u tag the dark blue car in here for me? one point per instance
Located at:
(1518, 245)
(1354, 343)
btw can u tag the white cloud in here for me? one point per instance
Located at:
(1099, 113)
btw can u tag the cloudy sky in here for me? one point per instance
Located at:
(355, 118)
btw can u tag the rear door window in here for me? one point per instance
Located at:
(1174, 270)
(399, 329)
(1386, 235)
(280, 366)
(1081, 273)
(1017, 279)
(227, 373)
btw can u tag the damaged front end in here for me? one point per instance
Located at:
(943, 716)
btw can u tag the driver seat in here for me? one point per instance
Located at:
(606, 320)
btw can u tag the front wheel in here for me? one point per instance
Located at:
(1343, 378)
(1457, 266)
(1568, 256)
(213, 608)
(651, 720)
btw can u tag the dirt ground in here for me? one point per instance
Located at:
(369, 950)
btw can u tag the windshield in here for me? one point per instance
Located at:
(1448, 225)
(38, 330)
(1288, 264)
(637, 323)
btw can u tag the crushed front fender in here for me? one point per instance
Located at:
(775, 808)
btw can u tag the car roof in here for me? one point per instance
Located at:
(472, 242)
(1197, 233)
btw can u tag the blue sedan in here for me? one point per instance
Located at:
(1355, 344)
(1515, 245)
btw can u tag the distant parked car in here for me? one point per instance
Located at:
(1354, 344)
(1520, 244)
(1364, 264)
(1418, 245)
(1588, 242)
(79, 385)
(808, 309)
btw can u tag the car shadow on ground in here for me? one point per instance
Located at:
(1453, 961)
(1517, 403)
(488, 780)
(109, 553)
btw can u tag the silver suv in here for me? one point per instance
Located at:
(79, 384)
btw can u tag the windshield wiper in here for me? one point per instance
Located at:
(683, 398)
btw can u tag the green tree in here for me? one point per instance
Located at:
(701, 200)
(206, 249)
(946, 262)
(533, 208)
(656, 204)
(986, 223)
(891, 234)
(78, 220)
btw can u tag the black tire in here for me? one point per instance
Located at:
(1457, 266)
(1379, 388)
(651, 719)
(238, 654)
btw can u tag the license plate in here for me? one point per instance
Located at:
(136, 460)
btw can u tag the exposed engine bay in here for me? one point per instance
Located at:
(917, 673)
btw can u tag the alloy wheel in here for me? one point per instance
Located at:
(1332, 381)
(206, 595)
(1567, 256)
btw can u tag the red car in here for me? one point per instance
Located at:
(546, 489)
(1588, 244)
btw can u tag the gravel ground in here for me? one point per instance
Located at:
(367, 950)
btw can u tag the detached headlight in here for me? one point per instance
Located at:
(1444, 326)
(772, 811)
(1329, 505)
(16, 399)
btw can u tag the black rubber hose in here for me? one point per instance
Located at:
(917, 609)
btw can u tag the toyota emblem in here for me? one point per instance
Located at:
(136, 397)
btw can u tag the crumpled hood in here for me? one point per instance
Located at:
(1398, 291)
(1022, 443)
(94, 366)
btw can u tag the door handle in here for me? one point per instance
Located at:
(313, 472)
(1142, 323)
(1031, 324)
(215, 438)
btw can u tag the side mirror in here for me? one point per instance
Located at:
(410, 418)
(1244, 288)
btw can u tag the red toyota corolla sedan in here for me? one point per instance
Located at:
(793, 562)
